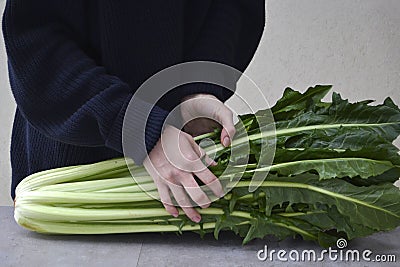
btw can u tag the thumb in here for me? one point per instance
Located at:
(228, 128)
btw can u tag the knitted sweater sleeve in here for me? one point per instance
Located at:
(230, 34)
(60, 90)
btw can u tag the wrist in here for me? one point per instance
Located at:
(200, 95)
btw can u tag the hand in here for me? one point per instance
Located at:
(203, 113)
(172, 163)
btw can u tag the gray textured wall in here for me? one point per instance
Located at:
(350, 44)
(7, 106)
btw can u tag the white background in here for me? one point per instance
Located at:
(353, 45)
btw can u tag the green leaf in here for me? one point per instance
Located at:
(292, 102)
(383, 152)
(332, 167)
(343, 120)
(328, 218)
(376, 206)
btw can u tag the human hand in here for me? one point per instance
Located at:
(203, 113)
(172, 164)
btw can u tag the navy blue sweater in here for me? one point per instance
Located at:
(74, 66)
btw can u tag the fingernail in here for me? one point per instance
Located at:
(175, 214)
(226, 141)
(196, 219)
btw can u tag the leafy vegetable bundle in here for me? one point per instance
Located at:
(332, 176)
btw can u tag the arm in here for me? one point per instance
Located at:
(220, 40)
(230, 34)
(59, 89)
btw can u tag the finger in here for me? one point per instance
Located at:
(209, 161)
(211, 181)
(228, 131)
(205, 175)
(227, 136)
(165, 197)
(194, 191)
(184, 202)
(202, 154)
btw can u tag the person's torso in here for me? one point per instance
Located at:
(133, 40)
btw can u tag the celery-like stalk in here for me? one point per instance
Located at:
(332, 176)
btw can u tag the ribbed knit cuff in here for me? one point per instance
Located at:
(137, 142)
